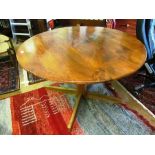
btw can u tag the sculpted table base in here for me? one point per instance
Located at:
(81, 91)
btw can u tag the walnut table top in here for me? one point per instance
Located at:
(82, 55)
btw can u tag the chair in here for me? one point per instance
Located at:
(146, 34)
(110, 23)
(4, 38)
(6, 48)
(51, 24)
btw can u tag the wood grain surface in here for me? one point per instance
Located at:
(82, 55)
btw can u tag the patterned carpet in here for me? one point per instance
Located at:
(47, 112)
(146, 95)
(9, 79)
(33, 79)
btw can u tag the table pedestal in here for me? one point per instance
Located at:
(81, 91)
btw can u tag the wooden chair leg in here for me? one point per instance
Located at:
(14, 55)
(12, 47)
(12, 58)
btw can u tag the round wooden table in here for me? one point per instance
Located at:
(82, 55)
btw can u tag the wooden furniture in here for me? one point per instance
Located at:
(6, 48)
(4, 38)
(38, 26)
(126, 25)
(82, 56)
(82, 22)
(5, 27)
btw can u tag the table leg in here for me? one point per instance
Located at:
(95, 95)
(80, 91)
(61, 89)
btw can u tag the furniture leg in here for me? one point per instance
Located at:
(80, 92)
(61, 89)
(95, 95)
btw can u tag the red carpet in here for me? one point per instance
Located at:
(41, 112)
(47, 112)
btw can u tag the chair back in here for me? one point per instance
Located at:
(150, 34)
(141, 29)
(145, 32)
